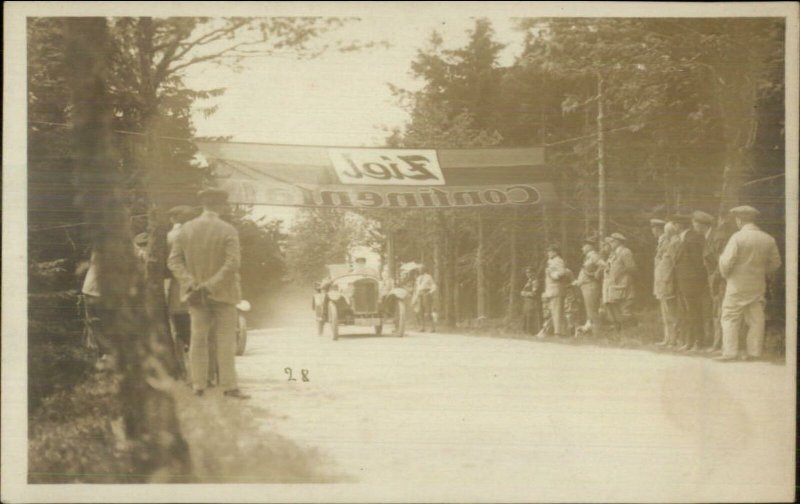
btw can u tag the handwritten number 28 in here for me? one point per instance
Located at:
(303, 374)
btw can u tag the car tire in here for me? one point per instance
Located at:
(400, 318)
(241, 335)
(333, 318)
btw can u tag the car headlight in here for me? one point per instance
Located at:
(243, 305)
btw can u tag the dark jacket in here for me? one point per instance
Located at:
(691, 277)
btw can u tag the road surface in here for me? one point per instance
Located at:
(432, 416)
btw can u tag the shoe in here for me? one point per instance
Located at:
(695, 348)
(725, 358)
(711, 349)
(236, 393)
(540, 335)
(683, 348)
(663, 343)
(199, 393)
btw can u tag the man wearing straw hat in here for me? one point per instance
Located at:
(749, 256)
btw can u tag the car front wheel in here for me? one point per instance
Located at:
(400, 318)
(241, 335)
(333, 318)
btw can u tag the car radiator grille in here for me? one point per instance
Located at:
(365, 296)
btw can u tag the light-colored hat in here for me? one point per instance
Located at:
(618, 237)
(182, 213)
(657, 222)
(745, 210)
(702, 217)
(141, 239)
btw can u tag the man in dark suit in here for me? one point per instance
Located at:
(691, 283)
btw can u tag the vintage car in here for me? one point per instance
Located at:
(349, 298)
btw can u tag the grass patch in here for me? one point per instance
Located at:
(77, 436)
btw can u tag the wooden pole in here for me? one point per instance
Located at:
(601, 169)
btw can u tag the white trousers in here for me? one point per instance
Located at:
(732, 315)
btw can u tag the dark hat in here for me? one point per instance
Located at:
(554, 247)
(140, 239)
(361, 258)
(182, 213)
(702, 217)
(529, 268)
(213, 196)
(679, 218)
(745, 210)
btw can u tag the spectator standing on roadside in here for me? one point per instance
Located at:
(715, 243)
(531, 305)
(691, 283)
(424, 288)
(554, 291)
(703, 224)
(749, 256)
(589, 283)
(178, 309)
(664, 282)
(205, 258)
(618, 291)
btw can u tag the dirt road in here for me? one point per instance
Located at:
(457, 417)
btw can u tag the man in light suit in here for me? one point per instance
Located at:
(748, 258)
(205, 259)
(589, 282)
(618, 293)
(554, 292)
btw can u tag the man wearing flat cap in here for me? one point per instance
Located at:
(205, 259)
(749, 256)
(618, 293)
(657, 227)
(691, 283)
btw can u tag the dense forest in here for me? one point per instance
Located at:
(641, 118)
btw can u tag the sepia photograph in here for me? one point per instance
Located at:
(399, 252)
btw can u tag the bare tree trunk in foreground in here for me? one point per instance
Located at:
(148, 405)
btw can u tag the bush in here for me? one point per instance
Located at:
(75, 436)
(53, 367)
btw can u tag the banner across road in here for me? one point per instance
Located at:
(355, 177)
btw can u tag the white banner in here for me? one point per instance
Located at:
(398, 167)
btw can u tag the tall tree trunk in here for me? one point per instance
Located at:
(480, 268)
(513, 295)
(601, 167)
(737, 99)
(148, 407)
(451, 299)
